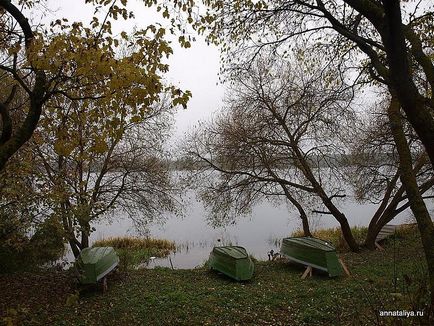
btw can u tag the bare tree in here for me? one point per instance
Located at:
(285, 128)
(376, 175)
(380, 40)
(234, 174)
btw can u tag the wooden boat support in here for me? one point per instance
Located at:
(94, 264)
(313, 253)
(232, 261)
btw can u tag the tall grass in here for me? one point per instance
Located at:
(407, 230)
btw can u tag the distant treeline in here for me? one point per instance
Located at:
(325, 160)
(185, 163)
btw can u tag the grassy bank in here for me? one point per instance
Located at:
(275, 296)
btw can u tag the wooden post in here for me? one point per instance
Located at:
(307, 272)
(378, 246)
(104, 284)
(344, 267)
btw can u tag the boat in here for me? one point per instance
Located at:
(312, 252)
(94, 264)
(232, 261)
(385, 232)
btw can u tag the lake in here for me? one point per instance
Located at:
(257, 233)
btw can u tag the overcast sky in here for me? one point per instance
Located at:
(193, 69)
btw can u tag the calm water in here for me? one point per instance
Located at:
(258, 232)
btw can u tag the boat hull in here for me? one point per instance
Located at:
(95, 263)
(232, 261)
(312, 252)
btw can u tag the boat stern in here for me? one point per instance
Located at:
(334, 267)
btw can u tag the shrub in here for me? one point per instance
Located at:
(19, 251)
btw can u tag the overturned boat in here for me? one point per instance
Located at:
(312, 252)
(94, 264)
(232, 261)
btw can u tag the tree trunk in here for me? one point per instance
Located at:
(389, 208)
(305, 168)
(337, 214)
(408, 179)
(375, 227)
(36, 95)
(303, 215)
(345, 228)
(306, 228)
(74, 247)
(405, 90)
(84, 240)
(383, 216)
(371, 236)
(85, 231)
(25, 131)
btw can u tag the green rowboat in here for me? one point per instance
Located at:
(312, 252)
(95, 263)
(232, 261)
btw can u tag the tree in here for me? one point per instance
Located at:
(285, 129)
(11, 140)
(233, 174)
(376, 175)
(19, 218)
(368, 34)
(76, 62)
(100, 161)
(95, 104)
(27, 237)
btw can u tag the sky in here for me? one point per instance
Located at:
(193, 69)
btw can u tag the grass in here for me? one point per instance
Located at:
(275, 296)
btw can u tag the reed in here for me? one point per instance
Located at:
(134, 251)
(135, 243)
(406, 230)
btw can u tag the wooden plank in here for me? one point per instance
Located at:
(307, 272)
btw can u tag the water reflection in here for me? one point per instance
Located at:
(259, 233)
